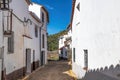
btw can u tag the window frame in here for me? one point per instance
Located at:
(4, 4)
(11, 43)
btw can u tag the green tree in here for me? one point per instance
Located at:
(53, 40)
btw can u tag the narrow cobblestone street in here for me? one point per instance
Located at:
(55, 70)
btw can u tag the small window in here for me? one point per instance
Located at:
(4, 4)
(36, 31)
(11, 43)
(74, 54)
(42, 17)
(43, 41)
(78, 7)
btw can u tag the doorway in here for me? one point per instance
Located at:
(28, 61)
(33, 60)
(42, 58)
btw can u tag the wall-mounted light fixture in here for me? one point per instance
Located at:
(26, 21)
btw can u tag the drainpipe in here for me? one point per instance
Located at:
(3, 72)
(40, 42)
(11, 12)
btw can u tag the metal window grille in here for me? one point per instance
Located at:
(4, 4)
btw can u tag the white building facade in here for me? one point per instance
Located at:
(65, 43)
(19, 39)
(62, 47)
(42, 13)
(95, 36)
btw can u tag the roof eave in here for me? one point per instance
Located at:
(46, 13)
(28, 2)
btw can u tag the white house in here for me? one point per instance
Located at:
(69, 36)
(42, 13)
(62, 47)
(19, 39)
(65, 43)
(96, 37)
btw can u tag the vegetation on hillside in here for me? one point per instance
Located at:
(53, 40)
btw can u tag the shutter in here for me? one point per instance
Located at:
(11, 43)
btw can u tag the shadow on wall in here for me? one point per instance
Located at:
(107, 73)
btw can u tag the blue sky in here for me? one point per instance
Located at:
(59, 14)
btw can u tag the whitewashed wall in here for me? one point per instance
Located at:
(44, 31)
(96, 28)
(20, 6)
(16, 60)
(38, 10)
(61, 41)
(69, 33)
(35, 41)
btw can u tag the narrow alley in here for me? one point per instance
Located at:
(54, 70)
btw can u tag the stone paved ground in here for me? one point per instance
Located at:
(55, 70)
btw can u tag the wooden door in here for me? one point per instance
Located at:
(33, 60)
(28, 61)
(42, 58)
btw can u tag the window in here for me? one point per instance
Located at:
(11, 43)
(42, 17)
(4, 4)
(43, 41)
(78, 7)
(74, 54)
(36, 31)
(85, 58)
